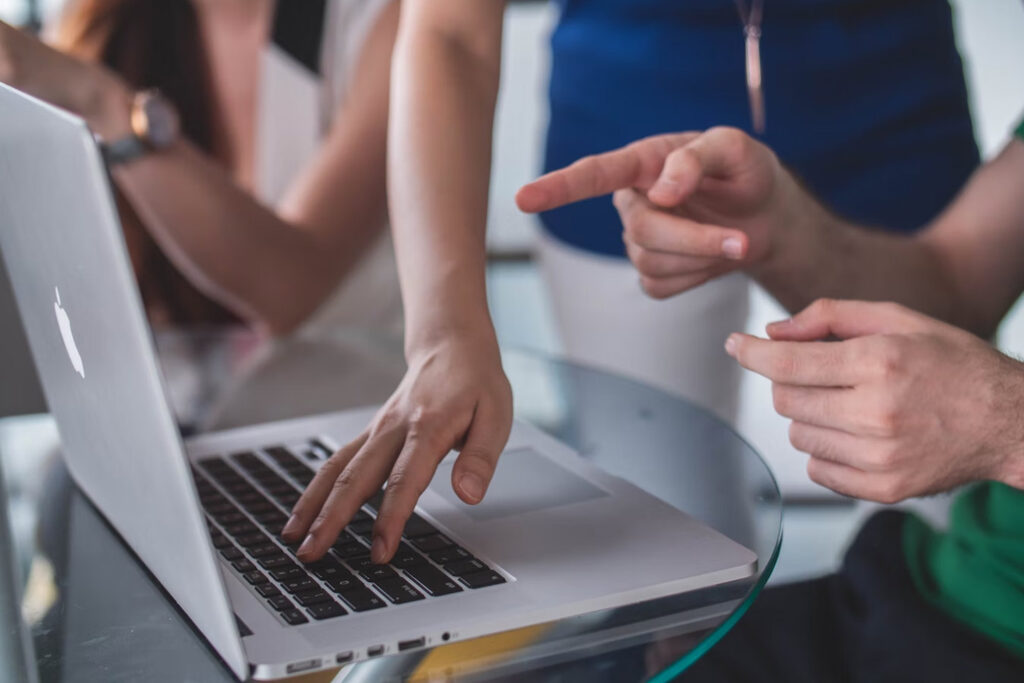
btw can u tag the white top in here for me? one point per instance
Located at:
(301, 91)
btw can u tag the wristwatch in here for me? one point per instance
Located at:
(155, 126)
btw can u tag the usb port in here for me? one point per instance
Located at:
(410, 644)
(375, 651)
(344, 658)
(299, 667)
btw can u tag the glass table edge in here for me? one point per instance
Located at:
(686, 661)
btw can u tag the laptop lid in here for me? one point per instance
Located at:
(66, 257)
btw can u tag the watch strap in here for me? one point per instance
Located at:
(124, 150)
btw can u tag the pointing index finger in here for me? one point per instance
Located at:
(636, 165)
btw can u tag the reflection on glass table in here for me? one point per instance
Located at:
(96, 614)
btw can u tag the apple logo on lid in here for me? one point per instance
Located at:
(64, 323)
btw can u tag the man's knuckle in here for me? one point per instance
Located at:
(652, 287)
(816, 472)
(639, 228)
(882, 457)
(649, 263)
(782, 365)
(890, 491)
(782, 400)
(823, 307)
(733, 142)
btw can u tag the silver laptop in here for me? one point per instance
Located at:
(556, 537)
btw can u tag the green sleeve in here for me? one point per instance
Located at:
(1020, 130)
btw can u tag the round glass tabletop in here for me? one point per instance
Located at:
(96, 614)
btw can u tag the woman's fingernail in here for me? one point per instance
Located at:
(732, 248)
(307, 546)
(730, 345)
(378, 551)
(290, 526)
(779, 325)
(472, 485)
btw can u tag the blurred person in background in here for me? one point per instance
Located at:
(247, 143)
(841, 80)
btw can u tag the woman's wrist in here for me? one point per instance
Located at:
(104, 100)
(425, 337)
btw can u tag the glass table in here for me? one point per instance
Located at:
(95, 614)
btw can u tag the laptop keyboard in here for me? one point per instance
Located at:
(248, 497)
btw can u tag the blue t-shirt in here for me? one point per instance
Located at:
(865, 99)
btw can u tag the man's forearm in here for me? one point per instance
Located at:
(966, 267)
(439, 171)
(823, 256)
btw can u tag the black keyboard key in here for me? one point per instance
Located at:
(241, 528)
(362, 527)
(349, 548)
(299, 584)
(249, 497)
(433, 580)
(288, 500)
(264, 550)
(482, 579)
(359, 562)
(276, 562)
(326, 610)
(261, 507)
(375, 573)
(312, 597)
(250, 540)
(432, 543)
(272, 517)
(294, 617)
(342, 583)
(407, 557)
(280, 603)
(254, 577)
(360, 516)
(449, 555)
(323, 450)
(221, 506)
(243, 566)
(465, 567)
(281, 488)
(288, 573)
(417, 526)
(327, 568)
(268, 590)
(231, 553)
(229, 518)
(281, 455)
(362, 599)
(220, 541)
(398, 591)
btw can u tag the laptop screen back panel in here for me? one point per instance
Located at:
(65, 254)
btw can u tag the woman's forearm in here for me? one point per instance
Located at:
(268, 269)
(443, 95)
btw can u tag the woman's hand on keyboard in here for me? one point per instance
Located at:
(454, 396)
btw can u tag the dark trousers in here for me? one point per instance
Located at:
(865, 624)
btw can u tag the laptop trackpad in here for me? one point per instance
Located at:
(525, 481)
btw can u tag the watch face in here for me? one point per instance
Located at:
(155, 120)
